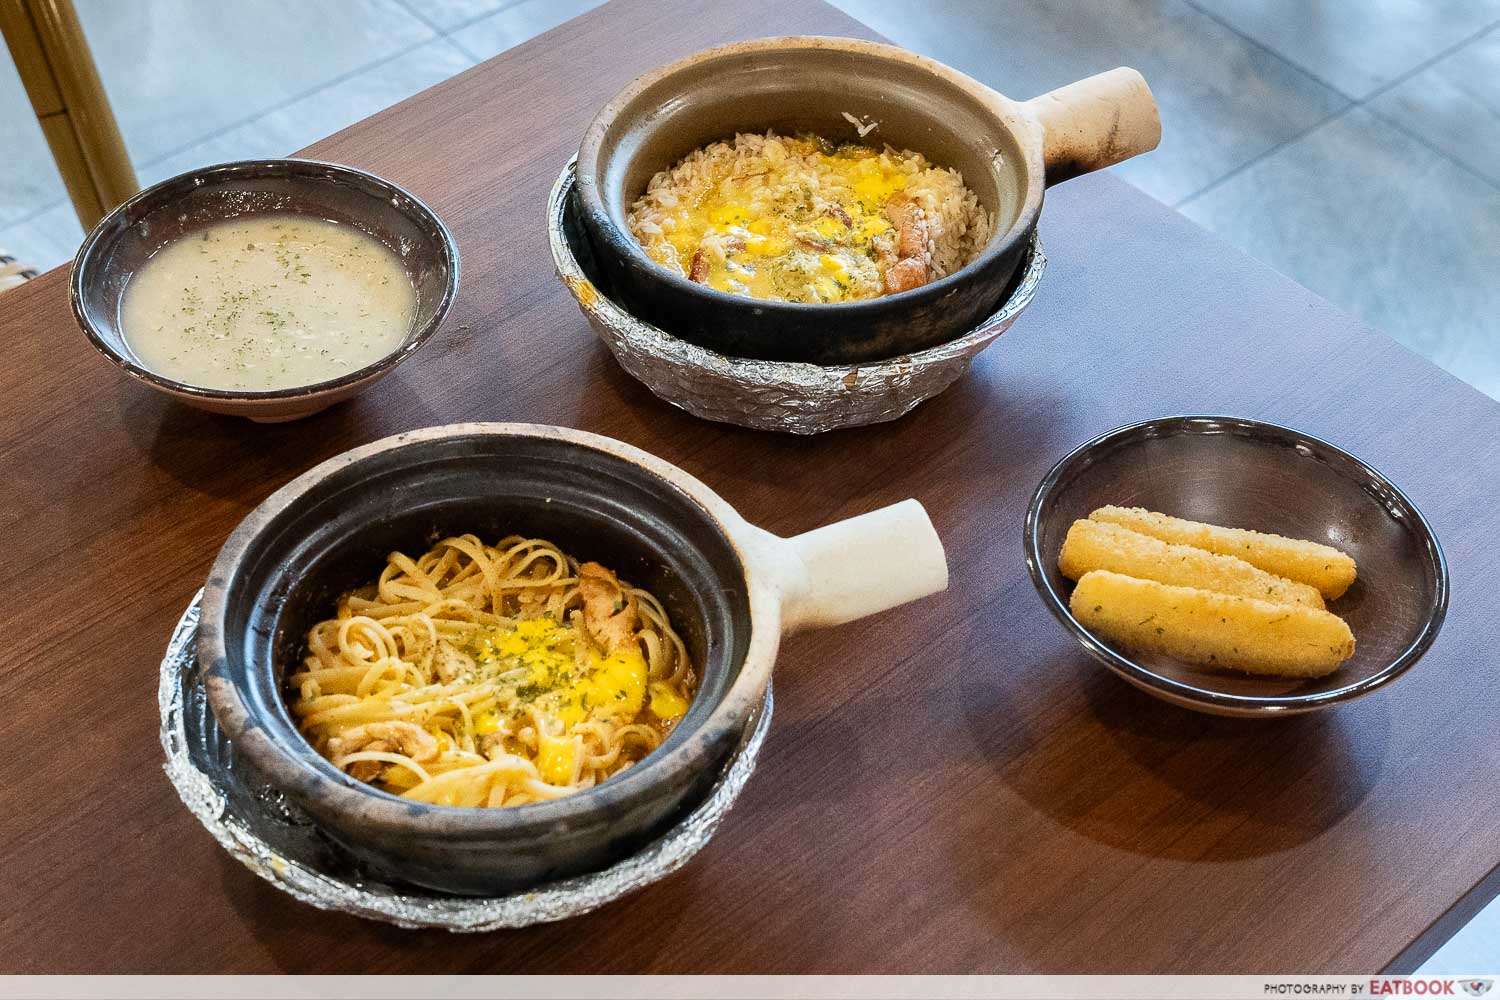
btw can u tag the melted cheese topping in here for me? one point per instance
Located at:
(538, 663)
(812, 229)
(556, 682)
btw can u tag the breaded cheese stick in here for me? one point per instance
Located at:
(1321, 566)
(1212, 630)
(1101, 545)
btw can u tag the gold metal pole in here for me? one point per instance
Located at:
(53, 58)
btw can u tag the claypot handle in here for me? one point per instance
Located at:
(861, 566)
(1095, 123)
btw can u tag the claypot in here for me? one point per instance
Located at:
(731, 590)
(1007, 151)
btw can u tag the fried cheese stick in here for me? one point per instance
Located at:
(1210, 629)
(1101, 545)
(1320, 566)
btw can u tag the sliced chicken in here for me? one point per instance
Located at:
(384, 737)
(904, 275)
(610, 613)
(910, 268)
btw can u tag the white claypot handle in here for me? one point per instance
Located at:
(862, 566)
(1095, 123)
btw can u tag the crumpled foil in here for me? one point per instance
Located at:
(278, 841)
(785, 396)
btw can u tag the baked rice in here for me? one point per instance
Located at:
(801, 219)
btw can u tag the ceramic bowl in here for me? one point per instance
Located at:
(167, 211)
(730, 589)
(1248, 474)
(1007, 152)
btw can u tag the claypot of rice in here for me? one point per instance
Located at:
(832, 200)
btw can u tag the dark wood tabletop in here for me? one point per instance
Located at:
(956, 788)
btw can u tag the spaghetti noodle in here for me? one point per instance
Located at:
(498, 675)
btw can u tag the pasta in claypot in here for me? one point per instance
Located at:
(482, 675)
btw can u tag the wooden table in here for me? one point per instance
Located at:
(1013, 807)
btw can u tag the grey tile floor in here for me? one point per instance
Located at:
(1351, 144)
(195, 82)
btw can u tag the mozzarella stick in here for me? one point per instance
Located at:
(1094, 545)
(1212, 630)
(1320, 566)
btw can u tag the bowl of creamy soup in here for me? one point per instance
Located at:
(269, 289)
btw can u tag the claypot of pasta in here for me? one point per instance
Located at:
(832, 200)
(485, 656)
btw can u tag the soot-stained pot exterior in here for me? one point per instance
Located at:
(731, 589)
(784, 396)
(1007, 152)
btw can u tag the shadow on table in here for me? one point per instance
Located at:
(1082, 748)
(1135, 773)
(235, 458)
(300, 939)
(805, 481)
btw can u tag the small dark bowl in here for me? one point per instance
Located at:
(127, 237)
(1007, 151)
(728, 587)
(1248, 474)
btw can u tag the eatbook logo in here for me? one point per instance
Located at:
(1477, 987)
